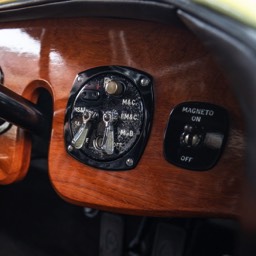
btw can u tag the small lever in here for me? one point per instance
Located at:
(81, 135)
(108, 138)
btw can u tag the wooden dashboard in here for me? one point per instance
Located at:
(50, 53)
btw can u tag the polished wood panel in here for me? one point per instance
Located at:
(183, 71)
(15, 149)
(13, 160)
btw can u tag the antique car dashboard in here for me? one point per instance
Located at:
(144, 120)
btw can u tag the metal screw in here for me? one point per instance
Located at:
(70, 148)
(144, 81)
(79, 78)
(129, 162)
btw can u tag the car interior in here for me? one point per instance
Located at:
(127, 127)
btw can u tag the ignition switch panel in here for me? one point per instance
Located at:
(195, 135)
(108, 117)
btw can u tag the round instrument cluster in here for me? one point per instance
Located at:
(108, 117)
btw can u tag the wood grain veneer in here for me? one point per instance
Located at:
(182, 69)
(15, 149)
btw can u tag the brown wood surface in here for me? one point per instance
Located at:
(14, 157)
(15, 149)
(56, 50)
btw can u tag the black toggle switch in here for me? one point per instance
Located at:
(195, 135)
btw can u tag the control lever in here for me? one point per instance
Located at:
(81, 135)
(108, 137)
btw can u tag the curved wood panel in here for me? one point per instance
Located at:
(182, 70)
(15, 144)
(14, 156)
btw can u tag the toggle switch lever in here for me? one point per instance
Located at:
(81, 135)
(108, 138)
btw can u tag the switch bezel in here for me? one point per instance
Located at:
(137, 78)
(202, 156)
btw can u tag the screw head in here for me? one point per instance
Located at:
(70, 148)
(144, 81)
(79, 78)
(129, 162)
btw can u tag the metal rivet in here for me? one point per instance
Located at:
(70, 148)
(144, 81)
(129, 162)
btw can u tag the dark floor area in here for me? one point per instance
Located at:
(35, 221)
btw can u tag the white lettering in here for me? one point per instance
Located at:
(131, 117)
(187, 159)
(80, 109)
(196, 119)
(126, 133)
(211, 112)
(198, 111)
(122, 132)
(128, 102)
(77, 123)
(118, 144)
